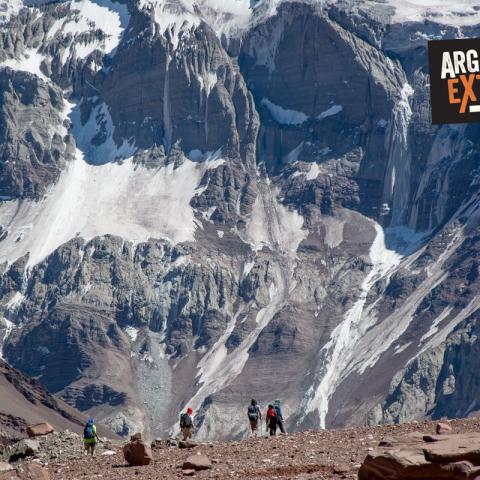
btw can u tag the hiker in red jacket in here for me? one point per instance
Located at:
(271, 420)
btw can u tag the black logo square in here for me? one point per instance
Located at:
(455, 80)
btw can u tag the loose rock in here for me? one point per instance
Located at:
(197, 462)
(39, 429)
(137, 453)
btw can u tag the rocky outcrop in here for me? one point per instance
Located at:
(449, 457)
(31, 156)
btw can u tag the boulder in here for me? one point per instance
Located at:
(39, 429)
(188, 473)
(25, 448)
(387, 442)
(443, 429)
(28, 471)
(197, 462)
(449, 457)
(32, 471)
(136, 436)
(137, 453)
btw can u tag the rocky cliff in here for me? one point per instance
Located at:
(203, 202)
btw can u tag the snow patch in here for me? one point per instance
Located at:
(449, 12)
(174, 18)
(434, 326)
(8, 9)
(247, 268)
(313, 172)
(283, 234)
(333, 110)
(292, 156)
(125, 199)
(110, 17)
(15, 301)
(283, 115)
(30, 61)
(132, 333)
(7, 326)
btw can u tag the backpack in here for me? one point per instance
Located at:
(88, 431)
(252, 413)
(185, 421)
(278, 412)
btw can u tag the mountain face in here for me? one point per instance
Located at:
(203, 203)
(24, 402)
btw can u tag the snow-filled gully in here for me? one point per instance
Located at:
(338, 351)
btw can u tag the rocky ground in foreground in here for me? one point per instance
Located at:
(331, 454)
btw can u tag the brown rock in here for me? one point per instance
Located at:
(39, 429)
(387, 442)
(29, 471)
(32, 471)
(137, 453)
(187, 444)
(136, 436)
(443, 429)
(454, 448)
(197, 462)
(449, 457)
(188, 473)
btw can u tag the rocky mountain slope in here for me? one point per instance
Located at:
(24, 402)
(203, 202)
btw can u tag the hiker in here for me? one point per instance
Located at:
(186, 424)
(271, 420)
(279, 415)
(254, 415)
(90, 437)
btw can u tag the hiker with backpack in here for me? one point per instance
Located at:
(90, 437)
(186, 424)
(254, 415)
(271, 420)
(279, 415)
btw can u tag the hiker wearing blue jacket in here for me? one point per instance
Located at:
(90, 437)
(279, 414)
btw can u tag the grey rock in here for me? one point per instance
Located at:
(25, 448)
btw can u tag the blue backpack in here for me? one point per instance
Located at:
(88, 432)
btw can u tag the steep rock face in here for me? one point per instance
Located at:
(32, 156)
(229, 211)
